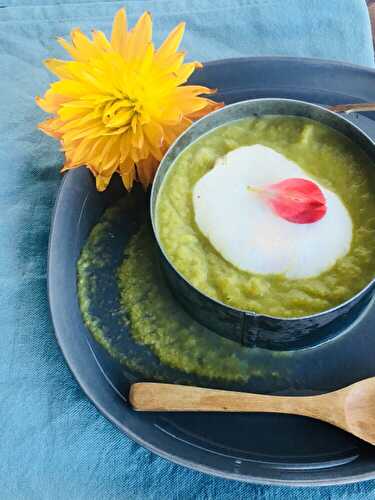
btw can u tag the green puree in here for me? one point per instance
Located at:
(331, 158)
(157, 320)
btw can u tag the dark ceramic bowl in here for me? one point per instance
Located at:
(247, 327)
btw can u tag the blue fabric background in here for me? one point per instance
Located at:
(53, 442)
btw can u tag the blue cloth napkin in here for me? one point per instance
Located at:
(53, 442)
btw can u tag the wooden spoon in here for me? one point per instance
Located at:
(351, 408)
(352, 108)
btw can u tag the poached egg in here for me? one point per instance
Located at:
(245, 230)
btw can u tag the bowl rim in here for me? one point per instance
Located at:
(156, 190)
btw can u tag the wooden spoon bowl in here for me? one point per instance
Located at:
(351, 408)
(360, 409)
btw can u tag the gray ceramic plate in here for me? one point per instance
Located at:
(272, 449)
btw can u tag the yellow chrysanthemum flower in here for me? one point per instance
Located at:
(119, 104)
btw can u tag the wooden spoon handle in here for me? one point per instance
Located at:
(170, 397)
(352, 108)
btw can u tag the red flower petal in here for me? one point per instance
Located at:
(296, 200)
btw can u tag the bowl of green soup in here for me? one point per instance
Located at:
(240, 261)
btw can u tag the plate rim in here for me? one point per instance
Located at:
(86, 387)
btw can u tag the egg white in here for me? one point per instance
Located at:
(249, 234)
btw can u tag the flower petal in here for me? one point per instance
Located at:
(51, 101)
(51, 127)
(154, 133)
(58, 67)
(138, 138)
(146, 170)
(119, 31)
(85, 47)
(102, 182)
(171, 43)
(128, 173)
(139, 39)
(100, 40)
(184, 73)
(210, 107)
(70, 49)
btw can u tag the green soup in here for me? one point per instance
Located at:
(328, 156)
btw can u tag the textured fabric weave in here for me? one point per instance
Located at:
(53, 442)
